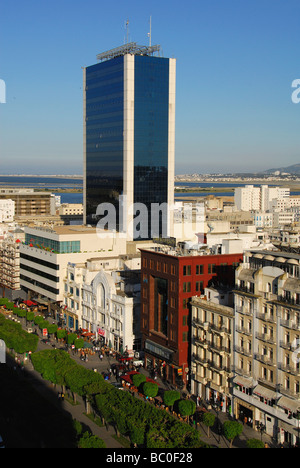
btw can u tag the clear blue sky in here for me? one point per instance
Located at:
(236, 60)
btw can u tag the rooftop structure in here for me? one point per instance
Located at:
(131, 48)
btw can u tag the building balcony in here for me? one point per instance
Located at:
(294, 370)
(289, 392)
(244, 311)
(266, 317)
(266, 337)
(243, 350)
(201, 323)
(290, 301)
(243, 330)
(265, 359)
(202, 342)
(292, 324)
(287, 345)
(221, 329)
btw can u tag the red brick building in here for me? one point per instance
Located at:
(168, 281)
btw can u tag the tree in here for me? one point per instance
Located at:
(71, 337)
(90, 441)
(150, 389)
(78, 343)
(30, 316)
(61, 334)
(208, 421)
(138, 379)
(255, 443)
(38, 319)
(52, 328)
(231, 430)
(186, 407)
(136, 433)
(170, 397)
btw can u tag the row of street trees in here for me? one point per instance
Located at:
(16, 338)
(144, 424)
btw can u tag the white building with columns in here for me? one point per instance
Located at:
(103, 297)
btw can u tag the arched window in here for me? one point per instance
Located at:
(101, 296)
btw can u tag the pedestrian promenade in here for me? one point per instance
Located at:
(214, 439)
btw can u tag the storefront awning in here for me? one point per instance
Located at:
(158, 350)
(289, 404)
(264, 392)
(243, 381)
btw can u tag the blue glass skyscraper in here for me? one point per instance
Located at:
(129, 138)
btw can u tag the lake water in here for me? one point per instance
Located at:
(56, 183)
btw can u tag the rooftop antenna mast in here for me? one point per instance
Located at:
(127, 30)
(149, 34)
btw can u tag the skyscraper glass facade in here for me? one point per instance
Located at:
(127, 99)
(151, 113)
(104, 134)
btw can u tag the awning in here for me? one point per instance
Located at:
(160, 351)
(292, 284)
(264, 392)
(86, 344)
(243, 381)
(289, 404)
(30, 303)
(247, 274)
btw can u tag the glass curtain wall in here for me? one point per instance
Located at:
(104, 135)
(151, 111)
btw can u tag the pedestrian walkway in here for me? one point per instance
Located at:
(105, 433)
(219, 440)
(77, 411)
(214, 439)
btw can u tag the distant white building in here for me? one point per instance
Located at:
(250, 198)
(247, 198)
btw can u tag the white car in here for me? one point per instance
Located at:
(1, 443)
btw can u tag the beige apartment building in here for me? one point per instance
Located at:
(266, 385)
(28, 202)
(211, 351)
(10, 263)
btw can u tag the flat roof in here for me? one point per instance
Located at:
(65, 229)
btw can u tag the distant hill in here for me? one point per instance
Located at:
(294, 169)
